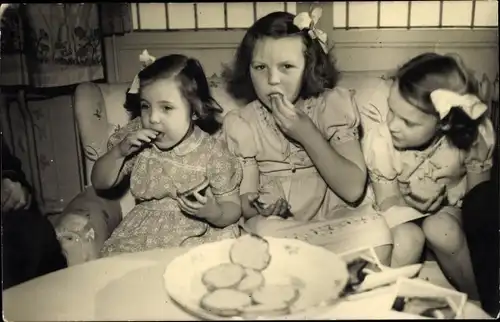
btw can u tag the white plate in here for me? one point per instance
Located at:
(319, 274)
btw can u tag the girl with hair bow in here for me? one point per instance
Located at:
(432, 144)
(297, 137)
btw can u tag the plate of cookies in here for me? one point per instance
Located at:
(255, 277)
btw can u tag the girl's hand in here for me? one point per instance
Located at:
(279, 208)
(247, 204)
(134, 141)
(425, 205)
(252, 207)
(292, 121)
(205, 207)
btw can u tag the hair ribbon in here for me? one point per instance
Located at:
(309, 20)
(444, 100)
(145, 59)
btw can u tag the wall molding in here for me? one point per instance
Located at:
(388, 46)
(231, 38)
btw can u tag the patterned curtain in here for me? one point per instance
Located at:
(56, 44)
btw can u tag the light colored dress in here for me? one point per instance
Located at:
(423, 173)
(156, 176)
(285, 169)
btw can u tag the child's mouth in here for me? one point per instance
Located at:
(275, 95)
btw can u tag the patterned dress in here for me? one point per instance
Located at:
(156, 176)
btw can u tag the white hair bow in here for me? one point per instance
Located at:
(146, 59)
(444, 100)
(309, 20)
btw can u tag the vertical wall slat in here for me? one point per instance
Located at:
(195, 9)
(166, 15)
(408, 19)
(347, 15)
(378, 14)
(138, 16)
(473, 13)
(441, 5)
(225, 16)
(254, 6)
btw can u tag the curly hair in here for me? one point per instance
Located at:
(193, 85)
(319, 73)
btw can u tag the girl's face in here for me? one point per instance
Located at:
(277, 67)
(165, 110)
(410, 127)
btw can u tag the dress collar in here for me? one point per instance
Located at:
(189, 143)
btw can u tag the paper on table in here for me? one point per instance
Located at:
(357, 228)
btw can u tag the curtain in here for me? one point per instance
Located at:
(56, 44)
(116, 18)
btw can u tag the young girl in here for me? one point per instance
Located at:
(298, 136)
(171, 158)
(433, 143)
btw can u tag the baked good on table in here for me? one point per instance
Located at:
(238, 288)
(224, 275)
(252, 281)
(225, 302)
(250, 251)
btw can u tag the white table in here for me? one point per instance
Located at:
(125, 287)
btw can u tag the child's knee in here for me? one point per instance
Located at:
(409, 235)
(384, 253)
(444, 233)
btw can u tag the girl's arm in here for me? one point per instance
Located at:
(342, 167)
(224, 211)
(106, 172)
(241, 143)
(479, 160)
(387, 195)
(249, 189)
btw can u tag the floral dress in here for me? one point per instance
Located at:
(285, 169)
(156, 176)
(423, 173)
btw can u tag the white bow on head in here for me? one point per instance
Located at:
(309, 20)
(146, 59)
(444, 100)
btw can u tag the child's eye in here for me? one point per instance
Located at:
(288, 66)
(409, 124)
(259, 67)
(167, 107)
(144, 106)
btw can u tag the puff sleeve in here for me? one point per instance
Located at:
(380, 156)
(119, 135)
(372, 102)
(338, 118)
(241, 142)
(480, 157)
(224, 170)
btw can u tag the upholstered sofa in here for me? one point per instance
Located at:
(89, 219)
